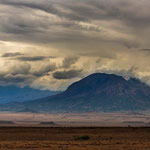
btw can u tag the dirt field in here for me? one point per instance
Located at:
(44, 138)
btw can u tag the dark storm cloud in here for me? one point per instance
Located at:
(113, 10)
(86, 10)
(11, 54)
(44, 5)
(33, 58)
(41, 27)
(66, 74)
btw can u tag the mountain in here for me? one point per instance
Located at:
(11, 93)
(95, 93)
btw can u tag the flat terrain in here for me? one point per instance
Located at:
(61, 138)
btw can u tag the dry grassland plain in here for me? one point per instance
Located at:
(74, 138)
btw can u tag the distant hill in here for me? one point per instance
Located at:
(47, 123)
(26, 110)
(95, 93)
(6, 122)
(17, 94)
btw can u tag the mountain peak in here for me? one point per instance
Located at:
(96, 92)
(95, 81)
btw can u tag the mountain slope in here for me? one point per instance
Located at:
(13, 93)
(97, 92)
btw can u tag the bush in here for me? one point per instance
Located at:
(84, 137)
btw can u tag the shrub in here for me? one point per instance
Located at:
(84, 137)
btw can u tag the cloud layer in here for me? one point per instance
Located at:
(49, 44)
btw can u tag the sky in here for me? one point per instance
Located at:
(49, 44)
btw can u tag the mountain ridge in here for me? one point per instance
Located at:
(11, 93)
(96, 92)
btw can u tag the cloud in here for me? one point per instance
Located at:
(48, 7)
(24, 73)
(33, 58)
(68, 61)
(23, 69)
(15, 79)
(53, 40)
(11, 54)
(76, 17)
(66, 74)
(15, 74)
(129, 73)
(146, 49)
(44, 69)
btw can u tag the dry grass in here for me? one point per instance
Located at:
(19, 138)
